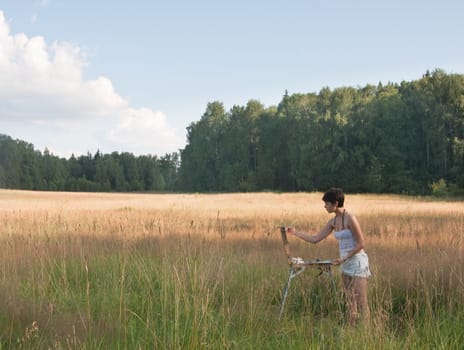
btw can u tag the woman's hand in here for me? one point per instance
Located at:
(338, 261)
(290, 230)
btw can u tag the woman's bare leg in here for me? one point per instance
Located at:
(350, 297)
(355, 289)
(360, 287)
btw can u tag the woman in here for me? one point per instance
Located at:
(353, 260)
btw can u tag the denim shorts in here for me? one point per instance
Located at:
(357, 266)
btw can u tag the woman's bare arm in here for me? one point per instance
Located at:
(322, 234)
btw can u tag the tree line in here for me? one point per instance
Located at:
(23, 167)
(393, 138)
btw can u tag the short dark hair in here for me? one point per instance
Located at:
(334, 195)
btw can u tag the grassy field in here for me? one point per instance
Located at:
(194, 271)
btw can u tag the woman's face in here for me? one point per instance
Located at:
(330, 207)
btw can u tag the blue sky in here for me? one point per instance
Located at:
(78, 76)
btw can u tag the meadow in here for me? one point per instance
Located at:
(207, 271)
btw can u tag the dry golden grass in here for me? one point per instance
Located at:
(415, 246)
(392, 224)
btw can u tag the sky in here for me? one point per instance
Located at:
(131, 76)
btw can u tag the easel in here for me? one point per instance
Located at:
(298, 265)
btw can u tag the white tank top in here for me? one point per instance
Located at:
(346, 242)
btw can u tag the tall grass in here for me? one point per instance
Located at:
(90, 271)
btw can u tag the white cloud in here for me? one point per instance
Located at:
(143, 128)
(48, 79)
(42, 85)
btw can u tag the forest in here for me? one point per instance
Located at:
(405, 138)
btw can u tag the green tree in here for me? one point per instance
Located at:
(109, 175)
(199, 159)
(169, 170)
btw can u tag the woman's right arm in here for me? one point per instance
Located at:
(322, 234)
